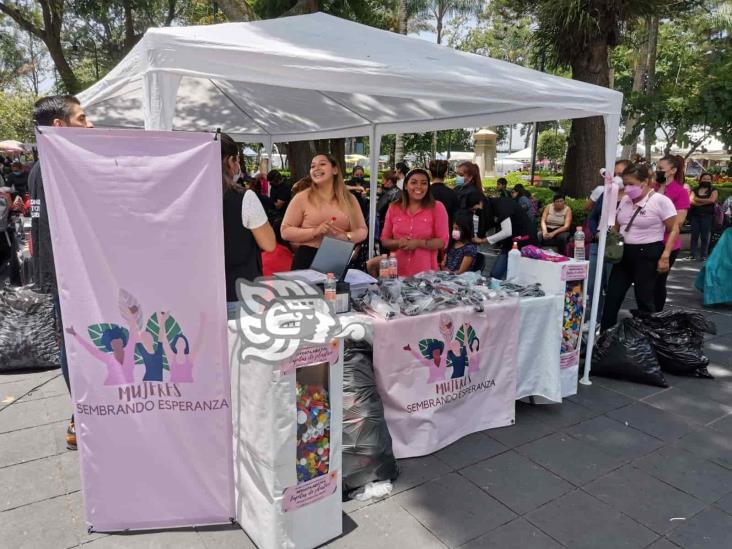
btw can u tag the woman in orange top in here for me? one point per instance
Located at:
(327, 208)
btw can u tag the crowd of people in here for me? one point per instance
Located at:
(271, 226)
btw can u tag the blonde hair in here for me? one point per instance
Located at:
(340, 192)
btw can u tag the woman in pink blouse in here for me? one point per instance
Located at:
(327, 208)
(670, 182)
(416, 227)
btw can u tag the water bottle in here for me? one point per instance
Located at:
(476, 224)
(384, 269)
(393, 267)
(514, 257)
(579, 244)
(330, 291)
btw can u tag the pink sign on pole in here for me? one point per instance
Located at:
(446, 375)
(138, 244)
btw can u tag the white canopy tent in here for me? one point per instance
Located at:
(317, 76)
(524, 155)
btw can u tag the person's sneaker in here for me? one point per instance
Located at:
(71, 437)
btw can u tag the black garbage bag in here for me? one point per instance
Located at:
(27, 330)
(367, 452)
(625, 352)
(677, 336)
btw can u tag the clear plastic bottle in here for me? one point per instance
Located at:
(330, 290)
(393, 267)
(579, 244)
(384, 269)
(514, 257)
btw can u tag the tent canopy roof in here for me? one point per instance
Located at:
(313, 76)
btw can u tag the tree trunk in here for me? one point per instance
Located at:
(399, 142)
(238, 10)
(338, 150)
(65, 72)
(299, 156)
(650, 129)
(129, 25)
(586, 147)
(639, 71)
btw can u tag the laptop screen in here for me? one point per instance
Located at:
(333, 256)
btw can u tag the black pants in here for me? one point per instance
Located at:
(701, 228)
(303, 257)
(559, 242)
(638, 267)
(62, 345)
(660, 299)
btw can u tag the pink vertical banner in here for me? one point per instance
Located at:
(138, 244)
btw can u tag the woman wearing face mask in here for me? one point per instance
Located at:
(701, 215)
(670, 182)
(468, 184)
(246, 230)
(643, 217)
(416, 227)
(462, 252)
(326, 208)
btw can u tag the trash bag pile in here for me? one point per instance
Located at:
(677, 336)
(367, 452)
(641, 348)
(625, 352)
(27, 330)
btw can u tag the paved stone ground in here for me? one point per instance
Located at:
(618, 465)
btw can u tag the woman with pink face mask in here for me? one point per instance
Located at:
(643, 217)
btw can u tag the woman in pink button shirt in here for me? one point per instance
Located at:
(643, 217)
(416, 227)
(670, 178)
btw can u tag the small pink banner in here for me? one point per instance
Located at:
(295, 497)
(310, 356)
(572, 271)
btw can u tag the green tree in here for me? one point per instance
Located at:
(551, 145)
(15, 116)
(579, 34)
(690, 98)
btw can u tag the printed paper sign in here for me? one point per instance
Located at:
(445, 375)
(138, 243)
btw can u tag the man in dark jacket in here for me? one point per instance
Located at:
(441, 192)
(59, 111)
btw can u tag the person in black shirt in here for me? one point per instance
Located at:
(468, 185)
(441, 192)
(502, 188)
(511, 224)
(279, 191)
(18, 179)
(246, 229)
(59, 111)
(389, 193)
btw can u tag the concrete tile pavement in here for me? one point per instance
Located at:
(618, 465)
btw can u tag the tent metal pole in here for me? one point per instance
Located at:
(374, 153)
(612, 123)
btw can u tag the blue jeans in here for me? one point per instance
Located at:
(500, 267)
(606, 268)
